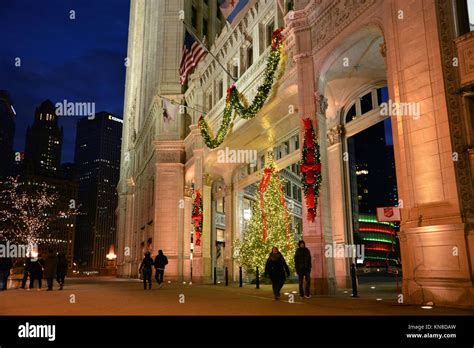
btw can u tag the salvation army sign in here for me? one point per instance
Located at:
(388, 214)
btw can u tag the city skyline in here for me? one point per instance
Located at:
(84, 62)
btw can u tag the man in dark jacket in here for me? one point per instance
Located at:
(6, 264)
(160, 262)
(62, 270)
(303, 268)
(50, 268)
(146, 267)
(26, 272)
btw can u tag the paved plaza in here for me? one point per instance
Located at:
(112, 296)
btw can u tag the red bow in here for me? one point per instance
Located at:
(307, 123)
(316, 167)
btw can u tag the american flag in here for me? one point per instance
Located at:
(192, 54)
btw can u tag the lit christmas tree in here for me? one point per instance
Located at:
(269, 225)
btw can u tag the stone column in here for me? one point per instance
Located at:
(169, 188)
(313, 232)
(229, 207)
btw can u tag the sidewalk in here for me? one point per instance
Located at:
(112, 296)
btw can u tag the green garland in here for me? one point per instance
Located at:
(234, 102)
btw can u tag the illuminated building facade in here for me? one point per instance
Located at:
(97, 157)
(340, 55)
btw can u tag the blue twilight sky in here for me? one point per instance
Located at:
(78, 60)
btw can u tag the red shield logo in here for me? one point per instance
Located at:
(388, 212)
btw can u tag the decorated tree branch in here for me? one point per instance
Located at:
(234, 99)
(27, 211)
(310, 167)
(197, 217)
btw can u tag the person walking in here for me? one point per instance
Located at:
(276, 268)
(6, 264)
(303, 268)
(62, 270)
(50, 268)
(26, 272)
(160, 263)
(36, 272)
(146, 268)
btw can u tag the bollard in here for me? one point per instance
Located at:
(215, 275)
(240, 276)
(354, 280)
(257, 281)
(226, 277)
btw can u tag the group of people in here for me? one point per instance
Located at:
(277, 269)
(146, 268)
(53, 266)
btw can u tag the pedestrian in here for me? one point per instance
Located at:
(50, 268)
(26, 272)
(36, 272)
(146, 268)
(303, 268)
(6, 264)
(276, 268)
(160, 263)
(62, 270)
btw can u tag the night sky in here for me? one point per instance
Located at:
(80, 60)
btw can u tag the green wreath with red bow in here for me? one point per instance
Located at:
(234, 102)
(310, 168)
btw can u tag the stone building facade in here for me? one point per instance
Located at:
(337, 53)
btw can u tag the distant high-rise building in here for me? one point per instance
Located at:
(97, 157)
(7, 133)
(42, 167)
(43, 142)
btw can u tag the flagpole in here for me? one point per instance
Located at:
(208, 51)
(186, 106)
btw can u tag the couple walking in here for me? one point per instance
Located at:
(147, 268)
(276, 268)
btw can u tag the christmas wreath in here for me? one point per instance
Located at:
(197, 217)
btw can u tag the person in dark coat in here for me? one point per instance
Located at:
(36, 272)
(6, 264)
(50, 268)
(160, 262)
(276, 268)
(61, 270)
(26, 273)
(146, 268)
(303, 268)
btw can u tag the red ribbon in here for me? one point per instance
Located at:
(310, 215)
(229, 91)
(310, 156)
(199, 122)
(267, 173)
(310, 198)
(307, 123)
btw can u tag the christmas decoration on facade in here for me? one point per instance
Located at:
(235, 101)
(197, 217)
(310, 165)
(268, 225)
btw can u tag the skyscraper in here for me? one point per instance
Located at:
(43, 142)
(7, 132)
(97, 157)
(42, 167)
